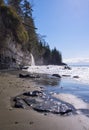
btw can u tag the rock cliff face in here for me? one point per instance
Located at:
(11, 53)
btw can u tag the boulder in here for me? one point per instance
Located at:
(76, 77)
(67, 67)
(33, 94)
(19, 103)
(28, 76)
(56, 75)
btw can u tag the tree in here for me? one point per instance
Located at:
(27, 8)
(16, 5)
(56, 57)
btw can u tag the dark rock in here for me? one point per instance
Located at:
(23, 75)
(40, 109)
(16, 122)
(31, 122)
(66, 112)
(33, 94)
(64, 109)
(19, 103)
(76, 77)
(66, 75)
(67, 67)
(42, 102)
(25, 67)
(28, 76)
(56, 75)
(29, 101)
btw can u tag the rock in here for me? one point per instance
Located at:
(42, 102)
(29, 101)
(41, 109)
(64, 109)
(56, 75)
(33, 94)
(19, 103)
(16, 122)
(76, 77)
(66, 75)
(25, 67)
(23, 75)
(66, 112)
(31, 122)
(67, 67)
(28, 76)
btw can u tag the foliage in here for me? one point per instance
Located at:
(13, 22)
(56, 57)
(27, 9)
(16, 5)
(17, 17)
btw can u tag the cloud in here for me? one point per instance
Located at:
(77, 61)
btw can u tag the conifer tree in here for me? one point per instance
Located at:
(16, 5)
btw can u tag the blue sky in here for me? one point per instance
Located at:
(65, 24)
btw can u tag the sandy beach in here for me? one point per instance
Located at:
(22, 119)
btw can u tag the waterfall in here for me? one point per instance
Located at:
(32, 60)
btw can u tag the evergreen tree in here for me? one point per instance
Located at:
(56, 57)
(16, 5)
(27, 8)
(36, 43)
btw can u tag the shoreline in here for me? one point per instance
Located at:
(22, 119)
(79, 74)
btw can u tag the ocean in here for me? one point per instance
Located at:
(74, 81)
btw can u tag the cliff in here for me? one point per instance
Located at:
(19, 40)
(12, 54)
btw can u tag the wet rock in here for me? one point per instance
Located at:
(28, 76)
(66, 75)
(42, 102)
(23, 75)
(64, 109)
(29, 101)
(67, 67)
(41, 109)
(25, 67)
(33, 94)
(31, 122)
(56, 75)
(76, 77)
(16, 122)
(19, 103)
(53, 108)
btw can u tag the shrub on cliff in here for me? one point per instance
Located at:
(13, 23)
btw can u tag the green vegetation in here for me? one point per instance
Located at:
(17, 18)
(13, 23)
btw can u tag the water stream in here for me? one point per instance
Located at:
(32, 60)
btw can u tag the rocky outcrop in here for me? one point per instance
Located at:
(12, 55)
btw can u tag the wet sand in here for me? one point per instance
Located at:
(22, 119)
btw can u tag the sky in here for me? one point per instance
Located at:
(65, 23)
